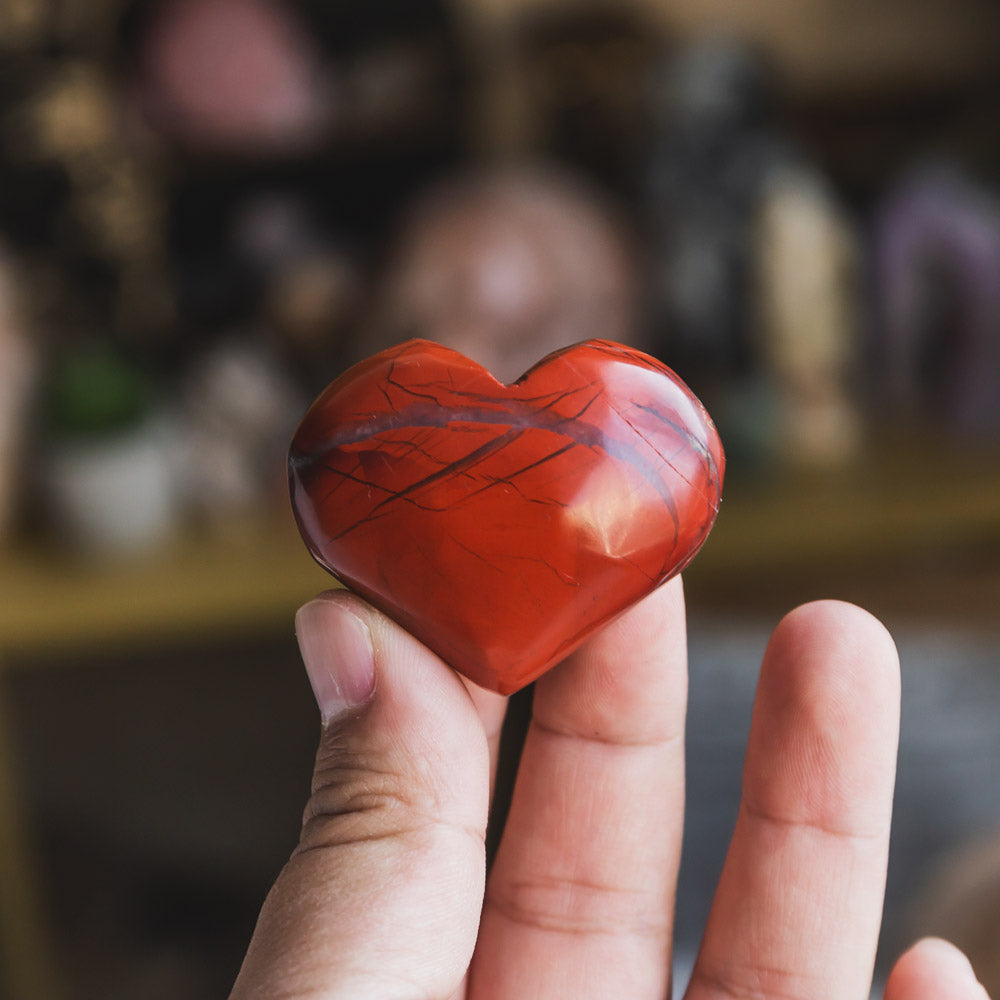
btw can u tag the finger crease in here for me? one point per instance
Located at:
(579, 908)
(739, 981)
(761, 815)
(758, 986)
(596, 737)
(326, 830)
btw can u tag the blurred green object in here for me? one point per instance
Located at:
(96, 391)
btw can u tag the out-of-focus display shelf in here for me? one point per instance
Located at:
(254, 575)
(898, 530)
(881, 510)
(911, 533)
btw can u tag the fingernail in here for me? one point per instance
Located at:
(336, 648)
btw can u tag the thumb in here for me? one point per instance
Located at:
(382, 896)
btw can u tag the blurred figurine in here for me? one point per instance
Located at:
(237, 410)
(750, 291)
(807, 272)
(18, 369)
(937, 245)
(507, 265)
(711, 156)
(309, 283)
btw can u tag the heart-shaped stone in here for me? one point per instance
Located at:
(502, 524)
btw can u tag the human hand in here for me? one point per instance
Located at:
(384, 896)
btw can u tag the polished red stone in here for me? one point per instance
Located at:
(501, 524)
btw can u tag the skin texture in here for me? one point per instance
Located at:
(386, 896)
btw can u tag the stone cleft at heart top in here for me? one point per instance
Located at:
(502, 524)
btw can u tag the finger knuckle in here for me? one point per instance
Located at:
(577, 907)
(356, 799)
(730, 980)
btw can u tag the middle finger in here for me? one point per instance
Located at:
(580, 900)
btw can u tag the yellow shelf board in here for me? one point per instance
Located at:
(862, 516)
(253, 576)
(881, 516)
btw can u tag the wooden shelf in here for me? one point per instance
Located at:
(911, 534)
(890, 528)
(252, 576)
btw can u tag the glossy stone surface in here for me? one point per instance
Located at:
(501, 524)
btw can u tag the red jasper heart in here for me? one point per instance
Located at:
(502, 524)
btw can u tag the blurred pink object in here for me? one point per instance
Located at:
(240, 75)
(508, 265)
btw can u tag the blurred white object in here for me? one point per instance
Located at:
(18, 371)
(115, 495)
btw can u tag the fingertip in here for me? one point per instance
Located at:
(833, 647)
(385, 697)
(826, 720)
(934, 969)
(940, 954)
(319, 619)
(829, 622)
(336, 647)
(356, 658)
(395, 824)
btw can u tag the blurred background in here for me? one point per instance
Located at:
(209, 208)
